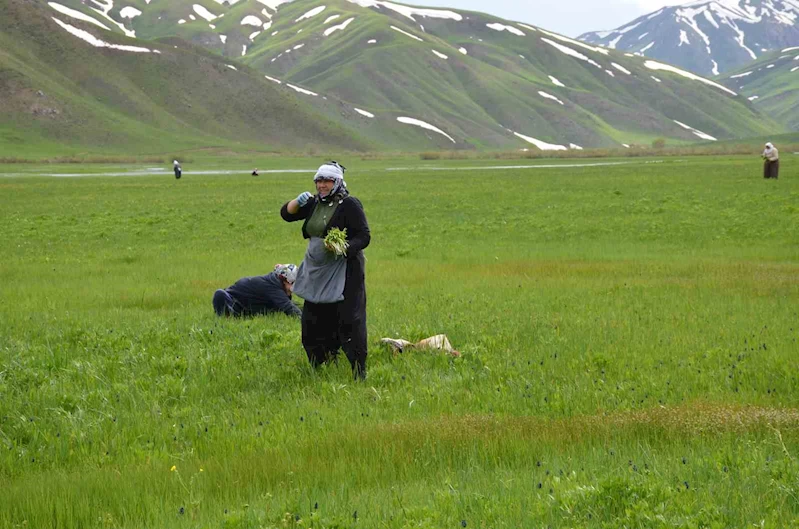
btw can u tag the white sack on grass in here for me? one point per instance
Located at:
(439, 341)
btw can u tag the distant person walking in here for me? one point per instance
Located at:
(177, 168)
(334, 288)
(771, 162)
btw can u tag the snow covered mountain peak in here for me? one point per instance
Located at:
(707, 36)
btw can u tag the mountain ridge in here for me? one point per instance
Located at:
(707, 37)
(397, 77)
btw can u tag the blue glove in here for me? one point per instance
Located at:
(303, 198)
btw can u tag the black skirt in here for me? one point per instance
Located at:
(771, 169)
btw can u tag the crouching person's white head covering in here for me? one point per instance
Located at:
(332, 171)
(287, 272)
(769, 146)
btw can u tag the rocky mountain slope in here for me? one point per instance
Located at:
(707, 37)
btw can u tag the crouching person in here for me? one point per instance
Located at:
(250, 296)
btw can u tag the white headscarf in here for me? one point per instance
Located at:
(332, 171)
(287, 272)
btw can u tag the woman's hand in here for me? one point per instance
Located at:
(302, 199)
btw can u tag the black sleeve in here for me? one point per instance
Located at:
(303, 213)
(289, 308)
(358, 234)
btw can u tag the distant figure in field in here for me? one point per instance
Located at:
(255, 172)
(178, 170)
(250, 296)
(771, 162)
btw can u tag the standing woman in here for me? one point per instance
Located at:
(333, 287)
(771, 162)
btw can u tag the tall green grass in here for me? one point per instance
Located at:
(628, 338)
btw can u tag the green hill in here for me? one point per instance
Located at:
(772, 85)
(58, 94)
(370, 75)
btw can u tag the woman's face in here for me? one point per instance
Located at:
(324, 187)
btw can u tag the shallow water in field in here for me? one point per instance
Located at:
(155, 171)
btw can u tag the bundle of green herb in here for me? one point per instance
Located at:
(336, 241)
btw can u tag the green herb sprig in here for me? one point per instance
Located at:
(336, 241)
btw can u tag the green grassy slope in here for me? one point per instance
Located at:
(495, 86)
(479, 98)
(58, 93)
(773, 83)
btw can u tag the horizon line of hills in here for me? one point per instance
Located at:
(349, 74)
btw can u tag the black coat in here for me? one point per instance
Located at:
(349, 214)
(262, 295)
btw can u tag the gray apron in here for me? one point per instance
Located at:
(322, 274)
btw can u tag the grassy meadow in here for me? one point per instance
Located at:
(628, 336)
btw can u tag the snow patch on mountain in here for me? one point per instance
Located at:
(129, 12)
(105, 7)
(496, 26)
(273, 4)
(570, 52)
(576, 43)
(77, 15)
(544, 146)
(408, 11)
(251, 20)
(203, 12)
(549, 96)
(302, 90)
(696, 132)
(312, 13)
(341, 26)
(97, 43)
(653, 65)
(621, 68)
(395, 28)
(428, 126)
